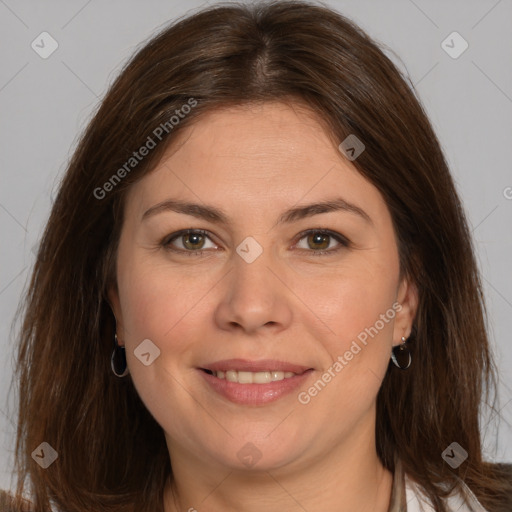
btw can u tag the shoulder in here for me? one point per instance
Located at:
(462, 501)
(506, 471)
(7, 503)
(417, 501)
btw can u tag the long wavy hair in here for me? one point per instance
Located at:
(112, 454)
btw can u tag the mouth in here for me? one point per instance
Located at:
(254, 382)
(243, 377)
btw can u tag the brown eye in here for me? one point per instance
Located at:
(319, 242)
(193, 241)
(188, 241)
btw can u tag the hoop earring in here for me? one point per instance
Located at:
(401, 355)
(118, 360)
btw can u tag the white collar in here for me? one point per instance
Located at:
(418, 502)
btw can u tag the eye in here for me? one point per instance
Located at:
(190, 240)
(321, 239)
(193, 241)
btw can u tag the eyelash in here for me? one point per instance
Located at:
(344, 242)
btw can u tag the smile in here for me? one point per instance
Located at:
(253, 382)
(243, 377)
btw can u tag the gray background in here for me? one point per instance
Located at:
(45, 104)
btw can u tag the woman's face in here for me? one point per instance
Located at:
(252, 292)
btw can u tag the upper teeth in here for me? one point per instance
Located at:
(253, 377)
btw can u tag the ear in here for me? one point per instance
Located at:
(115, 304)
(407, 297)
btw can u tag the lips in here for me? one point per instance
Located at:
(239, 380)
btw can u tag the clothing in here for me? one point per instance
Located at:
(407, 496)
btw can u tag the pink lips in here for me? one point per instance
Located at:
(254, 394)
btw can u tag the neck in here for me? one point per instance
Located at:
(343, 480)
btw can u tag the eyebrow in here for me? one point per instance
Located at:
(218, 216)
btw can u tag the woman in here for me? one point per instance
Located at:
(253, 289)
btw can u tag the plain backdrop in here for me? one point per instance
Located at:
(46, 103)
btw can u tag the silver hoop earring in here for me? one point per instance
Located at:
(401, 355)
(118, 360)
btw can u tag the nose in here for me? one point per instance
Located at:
(255, 297)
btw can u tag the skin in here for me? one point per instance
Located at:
(290, 304)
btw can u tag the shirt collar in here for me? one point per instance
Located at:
(406, 496)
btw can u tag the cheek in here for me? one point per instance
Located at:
(355, 310)
(155, 304)
(355, 315)
(159, 308)
(348, 302)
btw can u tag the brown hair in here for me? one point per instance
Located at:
(112, 454)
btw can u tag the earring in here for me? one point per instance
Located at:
(118, 360)
(401, 355)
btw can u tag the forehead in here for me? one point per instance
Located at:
(257, 134)
(257, 155)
